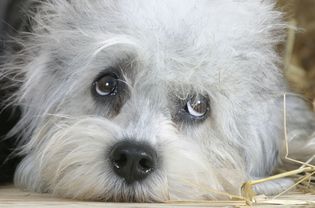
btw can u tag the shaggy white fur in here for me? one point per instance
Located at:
(166, 51)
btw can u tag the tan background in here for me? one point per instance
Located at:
(301, 72)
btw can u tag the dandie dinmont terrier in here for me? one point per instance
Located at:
(152, 100)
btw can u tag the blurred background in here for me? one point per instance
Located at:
(299, 49)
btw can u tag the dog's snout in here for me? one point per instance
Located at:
(133, 161)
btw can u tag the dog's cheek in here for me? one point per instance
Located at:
(71, 162)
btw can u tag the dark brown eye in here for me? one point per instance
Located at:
(197, 106)
(106, 85)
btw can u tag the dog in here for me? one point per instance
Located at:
(153, 100)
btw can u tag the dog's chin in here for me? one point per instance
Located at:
(71, 161)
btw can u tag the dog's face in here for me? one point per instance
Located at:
(147, 100)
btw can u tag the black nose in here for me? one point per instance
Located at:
(133, 161)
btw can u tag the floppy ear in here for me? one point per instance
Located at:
(299, 131)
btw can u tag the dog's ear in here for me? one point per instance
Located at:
(299, 131)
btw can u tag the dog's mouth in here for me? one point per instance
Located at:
(121, 197)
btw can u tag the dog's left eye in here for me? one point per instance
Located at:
(192, 110)
(106, 85)
(197, 107)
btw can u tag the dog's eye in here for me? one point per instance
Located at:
(197, 106)
(106, 85)
(193, 109)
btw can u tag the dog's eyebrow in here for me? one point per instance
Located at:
(115, 41)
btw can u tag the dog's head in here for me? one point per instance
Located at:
(147, 100)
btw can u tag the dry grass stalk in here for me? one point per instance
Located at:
(306, 168)
(289, 45)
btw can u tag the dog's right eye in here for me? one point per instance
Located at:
(109, 91)
(106, 85)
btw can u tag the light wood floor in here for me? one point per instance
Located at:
(12, 197)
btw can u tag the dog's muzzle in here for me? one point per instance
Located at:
(132, 161)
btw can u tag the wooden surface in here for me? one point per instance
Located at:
(12, 197)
